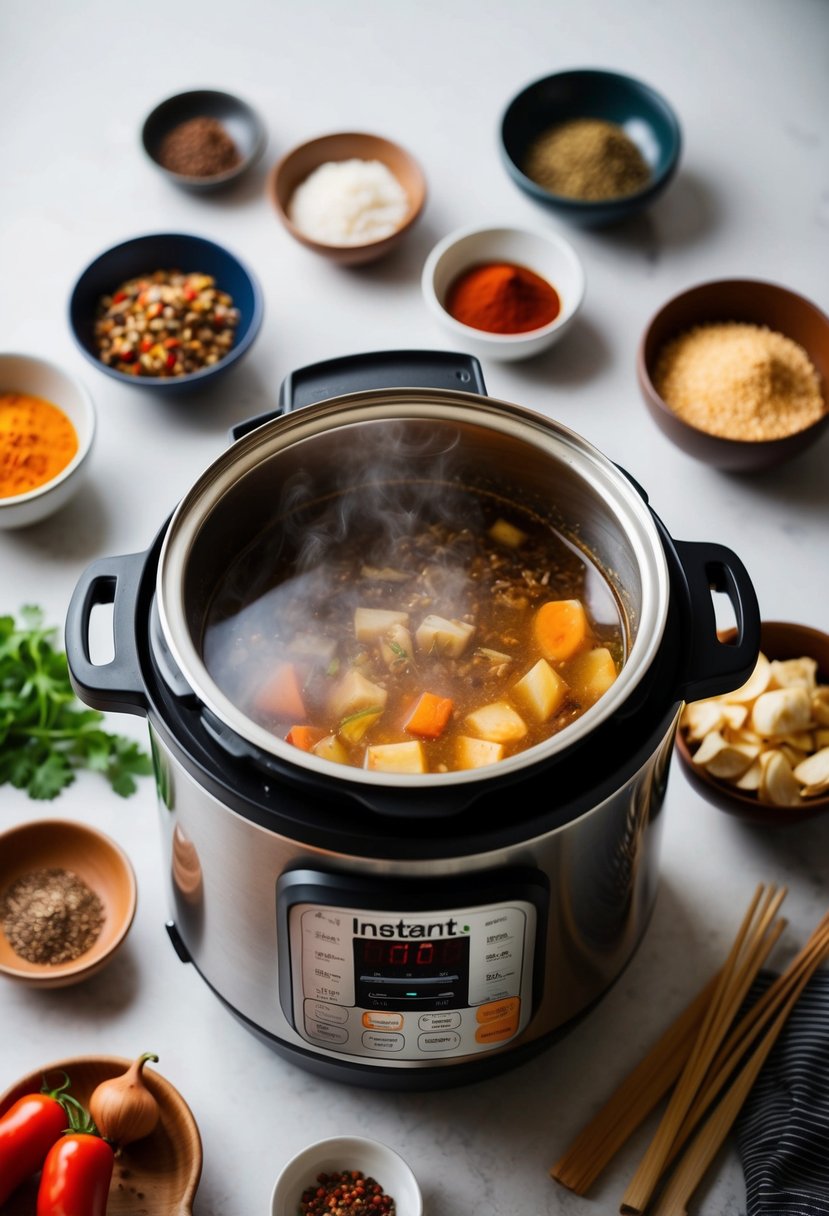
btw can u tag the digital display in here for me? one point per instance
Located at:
(409, 973)
(416, 957)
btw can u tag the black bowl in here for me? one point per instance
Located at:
(166, 251)
(644, 115)
(241, 122)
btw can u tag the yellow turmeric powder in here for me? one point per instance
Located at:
(37, 441)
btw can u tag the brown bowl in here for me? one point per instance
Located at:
(778, 640)
(750, 301)
(294, 167)
(158, 1174)
(99, 862)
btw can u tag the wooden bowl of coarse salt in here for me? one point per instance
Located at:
(350, 197)
(736, 373)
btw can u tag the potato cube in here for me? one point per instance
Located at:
(354, 692)
(330, 748)
(497, 723)
(591, 674)
(541, 691)
(507, 534)
(396, 648)
(373, 623)
(396, 758)
(441, 636)
(475, 753)
(355, 725)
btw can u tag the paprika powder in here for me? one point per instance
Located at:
(37, 441)
(502, 298)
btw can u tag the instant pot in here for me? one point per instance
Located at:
(399, 930)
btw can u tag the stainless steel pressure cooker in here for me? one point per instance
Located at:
(409, 930)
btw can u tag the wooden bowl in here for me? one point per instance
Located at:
(293, 169)
(756, 303)
(158, 1174)
(778, 640)
(99, 862)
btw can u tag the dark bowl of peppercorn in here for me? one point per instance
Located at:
(591, 146)
(203, 139)
(167, 311)
(67, 900)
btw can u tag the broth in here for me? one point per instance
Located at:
(446, 632)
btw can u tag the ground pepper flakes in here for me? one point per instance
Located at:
(51, 916)
(588, 159)
(345, 1193)
(199, 147)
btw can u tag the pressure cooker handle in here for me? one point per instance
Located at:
(381, 369)
(713, 666)
(117, 685)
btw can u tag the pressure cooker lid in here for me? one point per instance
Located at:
(297, 489)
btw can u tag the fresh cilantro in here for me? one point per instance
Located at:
(45, 733)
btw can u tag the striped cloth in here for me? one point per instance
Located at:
(783, 1128)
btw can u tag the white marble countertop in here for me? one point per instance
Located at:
(748, 80)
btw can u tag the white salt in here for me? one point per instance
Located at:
(349, 202)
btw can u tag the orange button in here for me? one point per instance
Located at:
(496, 1032)
(497, 1011)
(378, 1020)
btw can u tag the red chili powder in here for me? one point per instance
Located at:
(503, 298)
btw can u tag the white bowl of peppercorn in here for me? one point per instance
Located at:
(67, 901)
(503, 293)
(344, 1176)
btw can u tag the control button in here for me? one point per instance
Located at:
(497, 1032)
(322, 1011)
(378, 1020)
(325, 1033)
(448, 1040)
(376, 1040)
(439, 1021)
(496, 1011)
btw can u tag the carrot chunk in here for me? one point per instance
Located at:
(281, 694)
(304, 737)
(561, 629)
(429, 716)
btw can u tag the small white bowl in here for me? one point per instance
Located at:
(40, 378)
(376, 1161)
(547, 254)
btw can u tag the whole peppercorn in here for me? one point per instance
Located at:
(346, 1193)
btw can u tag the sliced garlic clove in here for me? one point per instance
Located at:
(794, 755)
(820, 705)
(750, 780)
(756, 684)
(814, 791)
(815, 769)
(821, 739)
(781, 711)
(749, 737)
(735, 716)
(777, 781)
(723, 759)
(701, 717)
(793, 673)
(802, 740)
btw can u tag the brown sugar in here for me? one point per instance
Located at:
(739, 381)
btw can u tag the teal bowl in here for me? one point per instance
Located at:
(642, 113)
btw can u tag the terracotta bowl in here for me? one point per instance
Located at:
(99, 862)
(293, 169)
(778, 640)
(746, 300)
(159, 1174)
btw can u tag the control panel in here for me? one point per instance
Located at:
(410, 986)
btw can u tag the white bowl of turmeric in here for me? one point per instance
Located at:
(47, 427)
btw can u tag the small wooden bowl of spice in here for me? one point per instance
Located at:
(67, 900)
(47, 428)
(736, 373)
(204, 139)
(503, 293)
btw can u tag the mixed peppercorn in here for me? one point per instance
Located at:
(165, 324)
(347, 1191)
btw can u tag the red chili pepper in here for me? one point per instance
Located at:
(170, 361)
(146, 344)
(189, 293)
(28, 1130)
(119, 296)
(77, 1171)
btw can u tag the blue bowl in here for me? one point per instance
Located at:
(166, 251)
(592, 93)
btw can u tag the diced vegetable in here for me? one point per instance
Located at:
(541, 691)
(396, 758)
(475, 753)
(429, 716)
(396, 648)
(507, 534)
(591, 674)
(494, 656)
(330, 748)
(498, 723)
(561, 629)
(355, 725)
(373, 623)
(304, 737)
(386, 574)
(353, 693)
(281, 694)
(437, 635)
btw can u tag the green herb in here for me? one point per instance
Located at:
(361, 713)
(45, 734)
(333, 667)
(396, 648)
